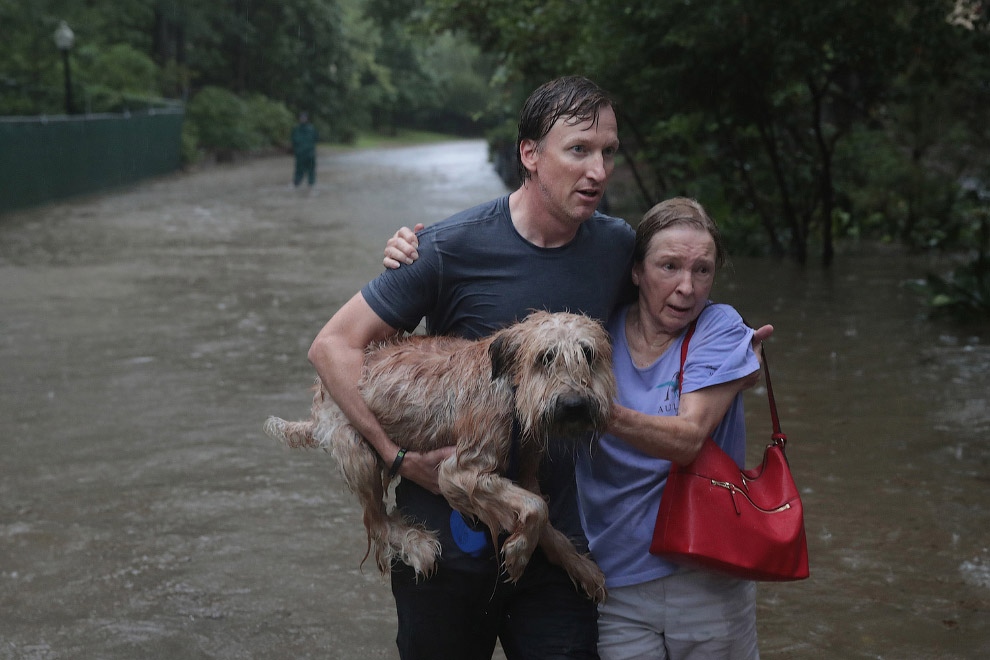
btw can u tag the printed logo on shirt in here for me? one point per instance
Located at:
(669, 403)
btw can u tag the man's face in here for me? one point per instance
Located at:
(572, 166)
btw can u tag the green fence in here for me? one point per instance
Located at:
(47, 158)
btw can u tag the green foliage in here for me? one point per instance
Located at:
(120, 68)
(963, 295)
(795, 122)
(432, 81)
(799, 121)
(502, 151)
(191, 153)
(272, 121)
(350, 69)
(105, 52)
(223, 122)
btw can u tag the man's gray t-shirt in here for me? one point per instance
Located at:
(476, 274)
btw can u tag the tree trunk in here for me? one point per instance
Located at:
(776, 249)
(799, 248)
(648, 199)
(827, 190)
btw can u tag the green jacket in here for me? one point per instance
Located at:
(304, 139)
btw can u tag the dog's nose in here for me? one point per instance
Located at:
(572, 409)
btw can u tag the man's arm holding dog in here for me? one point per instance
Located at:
(337, 354)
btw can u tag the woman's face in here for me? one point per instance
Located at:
(676, 276)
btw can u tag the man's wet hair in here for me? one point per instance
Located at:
(574, 98)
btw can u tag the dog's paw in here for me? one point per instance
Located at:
(596, 590)
(515, 554)
(589, 578)
(291, 434)
(275, 428)
(419, 549)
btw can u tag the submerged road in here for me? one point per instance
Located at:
(146, 335)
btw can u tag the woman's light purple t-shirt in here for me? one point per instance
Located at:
(619, 486)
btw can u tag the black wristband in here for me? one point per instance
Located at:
(396, 464)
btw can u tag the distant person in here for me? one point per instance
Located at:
(304, 139)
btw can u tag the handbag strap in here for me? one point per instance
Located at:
(778, 436)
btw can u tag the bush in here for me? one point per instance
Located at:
(221, 121)
(190, 151)
(965, 293)
(121, 68)
(272, 121)
(502, 152)
(224, 123)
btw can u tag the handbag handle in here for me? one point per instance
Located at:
(778, 436)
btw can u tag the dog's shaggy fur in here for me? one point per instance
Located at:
(552, 373)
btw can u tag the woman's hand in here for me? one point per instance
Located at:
(401, 248)
(759, 335)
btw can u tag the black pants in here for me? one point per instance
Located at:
(458, 615)
(305, 167)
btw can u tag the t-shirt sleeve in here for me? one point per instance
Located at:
(403, 296)
(720, 350)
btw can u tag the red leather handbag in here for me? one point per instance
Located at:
(746, 523)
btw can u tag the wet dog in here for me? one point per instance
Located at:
(549, 375)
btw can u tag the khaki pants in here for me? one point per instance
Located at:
(690, 615)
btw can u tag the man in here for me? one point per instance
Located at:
(304, 138)
(541, 247)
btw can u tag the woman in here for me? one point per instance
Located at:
(655, 608)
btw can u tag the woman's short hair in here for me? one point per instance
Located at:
(673, 212)
(573, 97)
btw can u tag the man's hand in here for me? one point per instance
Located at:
(421, 468)
(401, 248)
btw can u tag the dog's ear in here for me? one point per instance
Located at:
(502, 352)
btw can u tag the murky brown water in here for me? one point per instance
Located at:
(890, 443)
(145, 336)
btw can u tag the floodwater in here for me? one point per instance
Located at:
(145, 335)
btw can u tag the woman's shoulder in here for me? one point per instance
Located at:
(719, 319)
(720, 314)
(723, 348)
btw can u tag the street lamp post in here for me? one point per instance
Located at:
(63, 39)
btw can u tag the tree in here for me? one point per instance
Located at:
(746, 101)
